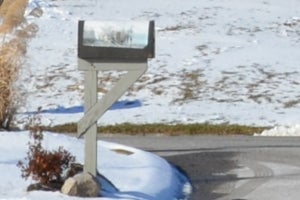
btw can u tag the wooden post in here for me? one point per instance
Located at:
(94, 108)
(90, 99)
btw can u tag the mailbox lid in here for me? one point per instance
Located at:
(116, 40)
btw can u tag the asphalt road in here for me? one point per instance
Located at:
(229, 167)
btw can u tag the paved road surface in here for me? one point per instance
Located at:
(229, 167)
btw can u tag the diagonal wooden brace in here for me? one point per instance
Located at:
(100, 107)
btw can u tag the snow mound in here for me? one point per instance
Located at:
(282, 131)
(138, 175)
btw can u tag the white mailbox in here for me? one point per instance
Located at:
(107, 46)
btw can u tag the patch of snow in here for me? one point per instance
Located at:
(140, 175)
(293, 130)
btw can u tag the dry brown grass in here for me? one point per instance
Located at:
(190, 86)
(11, 52)
(166, 129)
(9, 65)
(12, 13)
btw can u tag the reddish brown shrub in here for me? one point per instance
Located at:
(43, 165)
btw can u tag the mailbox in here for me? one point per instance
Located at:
(109, 45)
(113, 41)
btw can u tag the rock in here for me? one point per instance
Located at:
(69, 187)
(75, 168)
(81, 185)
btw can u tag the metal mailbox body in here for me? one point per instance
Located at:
(116, 41)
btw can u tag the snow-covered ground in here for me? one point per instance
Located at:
(136, 174)
(216, 61)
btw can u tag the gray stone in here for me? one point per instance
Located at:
(81, 185)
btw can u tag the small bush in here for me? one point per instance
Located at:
(42, 165)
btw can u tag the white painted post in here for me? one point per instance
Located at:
(94, 109)
(90, 99)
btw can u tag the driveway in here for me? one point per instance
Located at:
(229, 167)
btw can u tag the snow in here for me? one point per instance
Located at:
(282, 131)
(216, 62)
(139, 175)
